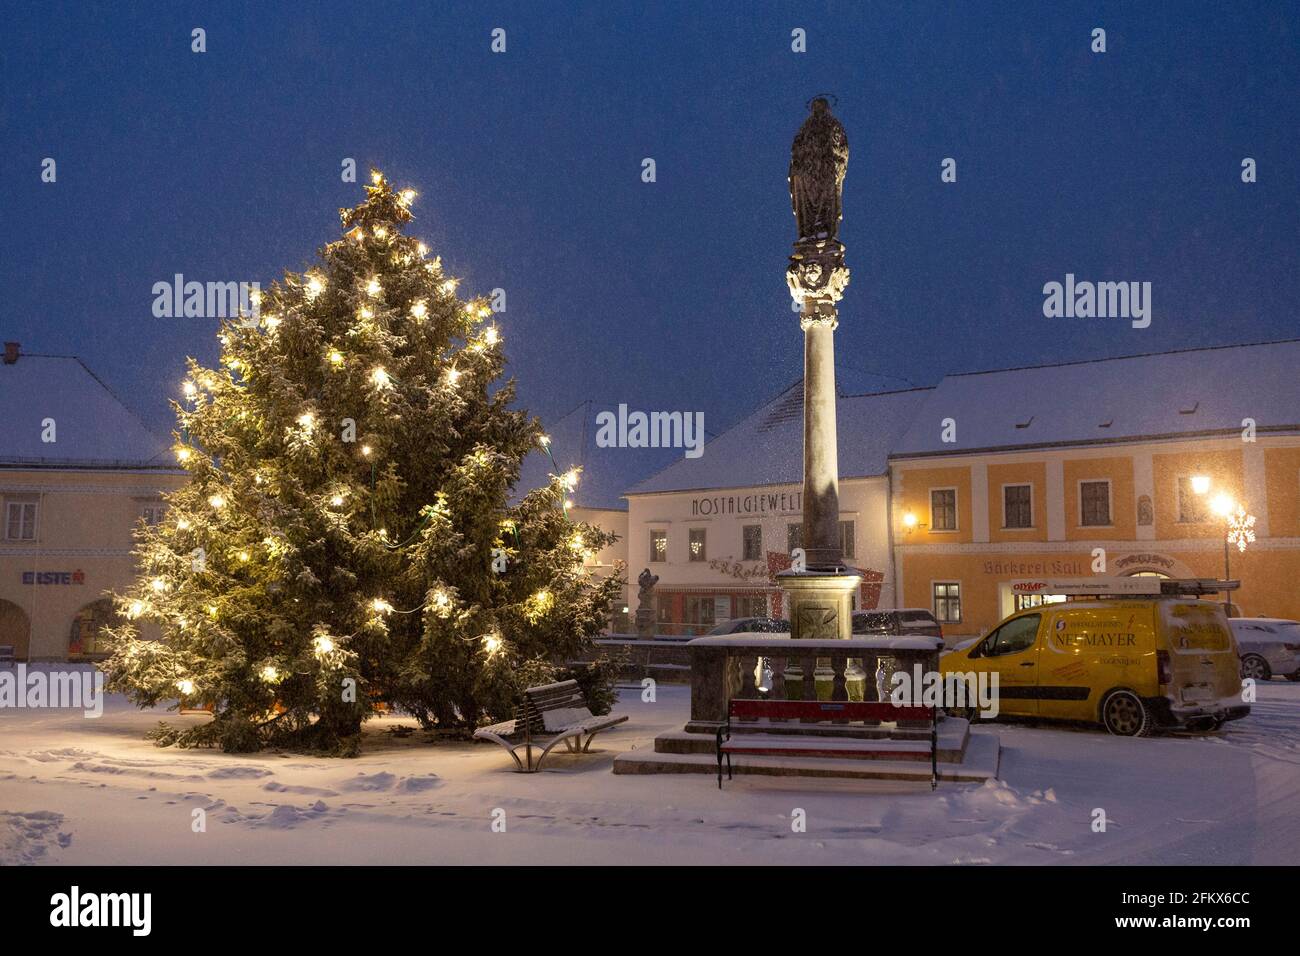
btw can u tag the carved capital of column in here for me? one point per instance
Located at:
(820, 314)
(817, 277)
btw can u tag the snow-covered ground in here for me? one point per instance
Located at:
(92, 791)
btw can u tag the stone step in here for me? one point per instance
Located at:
(979, 763)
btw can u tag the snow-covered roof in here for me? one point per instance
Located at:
(92, 428)
(767, 447)
(1194, 391)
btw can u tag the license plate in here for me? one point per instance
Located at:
(1197, 693)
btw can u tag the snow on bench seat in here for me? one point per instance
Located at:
(810, 746)
(556, 713)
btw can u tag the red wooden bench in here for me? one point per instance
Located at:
(818, 728)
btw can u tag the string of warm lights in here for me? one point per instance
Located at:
(211, 404)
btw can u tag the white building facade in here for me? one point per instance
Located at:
(716, 545)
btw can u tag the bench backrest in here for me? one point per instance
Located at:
(6, 652)
(825, 710)
(552, 707)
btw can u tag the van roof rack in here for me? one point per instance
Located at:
(1100, 586)
(1195, 587)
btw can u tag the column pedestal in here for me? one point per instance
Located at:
(820, 605)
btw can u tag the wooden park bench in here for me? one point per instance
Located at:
(550, 714)
(820, 728)
(6, 654)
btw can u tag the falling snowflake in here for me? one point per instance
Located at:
(1241, 529)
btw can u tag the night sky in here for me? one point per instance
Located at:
(671, 295)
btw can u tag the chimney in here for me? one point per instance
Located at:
(11, 353)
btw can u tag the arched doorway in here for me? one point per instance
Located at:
(15, 630)
(86, 638)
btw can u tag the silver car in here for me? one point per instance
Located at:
(1269, 647)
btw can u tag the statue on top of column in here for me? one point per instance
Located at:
(818, 161)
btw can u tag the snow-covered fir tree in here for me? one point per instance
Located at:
(347, 535)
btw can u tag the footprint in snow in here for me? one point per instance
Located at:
(1052, 847)
(275, 787)
(375, 781)
(237, 773)
(419, 784)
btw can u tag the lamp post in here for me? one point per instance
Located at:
(1239, 530)
(1222, 506)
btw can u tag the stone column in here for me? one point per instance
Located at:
(821, 474)
(819, 594)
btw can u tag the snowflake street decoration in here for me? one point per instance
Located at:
(1241, 529)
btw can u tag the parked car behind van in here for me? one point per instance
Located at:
(1269, 647)
(907, 622)
(1130, 665)
(755, 625)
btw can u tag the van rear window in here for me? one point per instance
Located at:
(1195, 626)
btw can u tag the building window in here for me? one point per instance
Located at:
(1017, 506)
(947, 602)
(1094, 504)
(793, 537)
(751, 606)
(696, 543)
(752, 542)
(846, 539)
(943, 509)
(1191, 506)
(152, 512)
(20, 517)
(658, 545)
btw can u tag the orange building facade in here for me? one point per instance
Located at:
(965, 526)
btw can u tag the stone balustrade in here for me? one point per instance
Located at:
(725, 667)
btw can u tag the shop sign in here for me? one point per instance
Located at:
(54, 577)
(735, 569)
(1093, 585)
(1159, 560)
(1024, 568)
(755, 503)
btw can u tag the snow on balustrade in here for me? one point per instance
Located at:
(726, 667)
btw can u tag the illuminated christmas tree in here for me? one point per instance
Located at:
(347, 535)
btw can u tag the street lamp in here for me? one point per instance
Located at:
(1200, 484)
(1222, 506)
(1240, 531)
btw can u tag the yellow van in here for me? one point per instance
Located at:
(1131, 665)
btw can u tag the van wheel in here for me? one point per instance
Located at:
(1255, 667)
(1124, 715)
